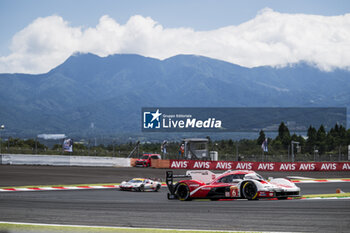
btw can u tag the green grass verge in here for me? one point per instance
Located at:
(29, 228)
(327, 195)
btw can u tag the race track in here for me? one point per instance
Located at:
(149, 209)
(48, 175)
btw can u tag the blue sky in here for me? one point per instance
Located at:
(199, 15)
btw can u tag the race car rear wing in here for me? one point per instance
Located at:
(204, 176)
(170, 183)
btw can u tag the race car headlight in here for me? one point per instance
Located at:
(265, 194)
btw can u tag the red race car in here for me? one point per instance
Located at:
(145, 160)
(236, 184)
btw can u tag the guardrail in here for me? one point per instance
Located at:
(57, 160)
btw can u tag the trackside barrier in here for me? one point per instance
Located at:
(160, 163)
(259, 166)
(132, 162)
(56, 160)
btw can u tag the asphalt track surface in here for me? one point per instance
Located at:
(49, 175)
(151, 209)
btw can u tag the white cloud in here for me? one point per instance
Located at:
(271, 38)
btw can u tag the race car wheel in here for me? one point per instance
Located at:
(158, 188)
(142, 188)
(183, 192)
(249, 190)
(282, 198)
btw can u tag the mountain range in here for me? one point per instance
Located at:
(88, 94)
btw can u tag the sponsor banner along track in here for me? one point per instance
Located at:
(259, 166)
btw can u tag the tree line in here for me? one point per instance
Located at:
(316, 141)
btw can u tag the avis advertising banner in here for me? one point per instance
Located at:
(259, 166)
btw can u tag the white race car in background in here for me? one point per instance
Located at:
(140, 185)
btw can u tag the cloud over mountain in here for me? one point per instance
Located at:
(271, 38)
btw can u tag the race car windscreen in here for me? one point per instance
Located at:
(145, 157)
(135, 181)
(253, 176)
(231, 178)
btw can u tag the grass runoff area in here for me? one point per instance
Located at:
(339, 195)
(48, 228)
